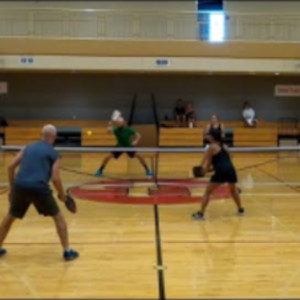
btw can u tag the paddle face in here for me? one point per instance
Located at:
(71, 204)
(115, 115)
(198, 172)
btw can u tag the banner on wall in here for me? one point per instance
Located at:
(3, 87)
(287, 90)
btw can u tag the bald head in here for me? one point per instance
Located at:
(49, 133)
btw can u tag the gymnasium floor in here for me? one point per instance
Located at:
(151, 251)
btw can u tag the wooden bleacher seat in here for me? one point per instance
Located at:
(181, 137)
(227, 124)
(21, 136)
(22, 132)
(288, 127)
(95, 136)
(255, 137)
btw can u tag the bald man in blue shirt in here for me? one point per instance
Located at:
(39, 163)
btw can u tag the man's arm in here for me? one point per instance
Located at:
(57, 181)
(12, 167)
(136, 138)
(110, 127)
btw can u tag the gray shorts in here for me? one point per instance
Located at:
(22, 198)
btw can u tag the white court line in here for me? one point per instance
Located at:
(289, 282)
(270, 194)
(21, 279)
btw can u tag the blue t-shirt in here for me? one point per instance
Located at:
(36, 166)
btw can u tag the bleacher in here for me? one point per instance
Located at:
(70, 132)
(267, 134)
(94, 133)
(181, 137)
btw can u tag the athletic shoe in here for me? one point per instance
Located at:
(241, 212)
(2, 252)
(198, 216)
(149, 173)
(99, 173)
(70, 255)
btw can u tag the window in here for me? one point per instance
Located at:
(211, 19)
(216, 27)
(210, 5)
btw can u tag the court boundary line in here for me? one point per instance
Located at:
(159, 257)
(266, 212)
(279, 180)
(152, 242)
(21, 279)
(289, 282)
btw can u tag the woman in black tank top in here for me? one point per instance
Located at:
(218, 157)
(215, 126)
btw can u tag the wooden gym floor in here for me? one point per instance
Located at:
(149, 251)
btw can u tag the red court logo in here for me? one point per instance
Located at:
(146, 191)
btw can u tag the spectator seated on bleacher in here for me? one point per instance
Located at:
(248, 115)
(190, 116)
(179, 112)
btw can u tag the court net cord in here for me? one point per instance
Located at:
(158, 149)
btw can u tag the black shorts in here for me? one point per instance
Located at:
(21, 199)
(117, 154)
(224, 176)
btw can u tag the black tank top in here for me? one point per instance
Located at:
(222, 161)
(217, 130)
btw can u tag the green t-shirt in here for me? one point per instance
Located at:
(124, 136)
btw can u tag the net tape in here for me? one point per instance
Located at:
(159, 149)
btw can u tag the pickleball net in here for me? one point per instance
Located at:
(124, 180)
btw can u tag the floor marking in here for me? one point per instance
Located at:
(159, 254)
(267, 213)
(152, 242)
(22, 279)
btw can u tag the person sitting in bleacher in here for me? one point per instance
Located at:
(215, 126)
(249, 115)
(190, 116)
(179, 111)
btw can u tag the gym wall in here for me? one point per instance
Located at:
(94, 96)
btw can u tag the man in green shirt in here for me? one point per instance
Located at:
(126, 137)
